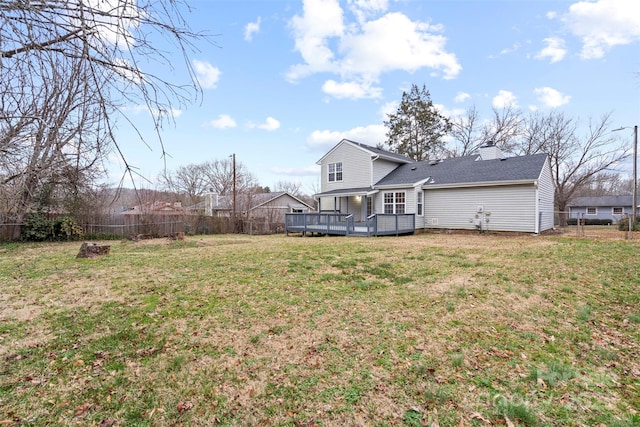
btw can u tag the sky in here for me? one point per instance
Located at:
(285, 81)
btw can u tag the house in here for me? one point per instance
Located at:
(612, 208)
(485, 191)
(268, 207)
(156, 208)
(271, 207)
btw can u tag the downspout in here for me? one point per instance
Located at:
(537, 217)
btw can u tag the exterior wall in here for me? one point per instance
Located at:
(512, 208)
(274, 210)
(602, 212)
(356, 168)
(410, 199)
(382, 168)
(546, 198)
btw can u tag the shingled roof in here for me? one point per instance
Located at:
(383, 153)
(466, 170)
(594, 201)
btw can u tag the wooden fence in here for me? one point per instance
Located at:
(152, 225)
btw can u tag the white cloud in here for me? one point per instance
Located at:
(555, 50)
(223, 121)
(270, 124)
(551, 97)
(321, 20)
(461, 97)
(388, 108)
(504, 99)
(352, 90)
(207, 74)
(370, 135)
(603, 24)
(361, 51)
(251, 28)
(364, 8)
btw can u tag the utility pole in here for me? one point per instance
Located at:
(234, 192)
(635, 176)
(634, 202)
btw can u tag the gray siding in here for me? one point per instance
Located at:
(410, 199)
(512, 207)
(382, 168)
(356, 168)
(602, 212)
(546, 198)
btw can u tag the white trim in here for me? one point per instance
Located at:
(480, 184)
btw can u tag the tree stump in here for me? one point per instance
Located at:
(92, 250)
(178, 235)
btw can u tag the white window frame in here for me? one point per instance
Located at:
(419, 203)
(334, 172)
(613, 210)
(595, 211)
(394, 202)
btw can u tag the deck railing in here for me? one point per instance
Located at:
(385, 224)
(344, 224)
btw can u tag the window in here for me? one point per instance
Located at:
(617, 211)
(335, 172)
(369, 205)
(394, 203)
(419, 202)
(592, 211)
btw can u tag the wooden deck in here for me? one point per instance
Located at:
(334, 224)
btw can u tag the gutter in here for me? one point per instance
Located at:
(478, 184)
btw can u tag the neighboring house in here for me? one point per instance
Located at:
(269, 207)
(602, 207)
(485, 191)
(156, 208)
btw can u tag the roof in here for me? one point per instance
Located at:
(361, 191)
(466, 170)
(595, 201)
(377, 152)
(261, 199)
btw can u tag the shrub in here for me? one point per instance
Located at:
(623, 224)
(38, 227)
(589, 221)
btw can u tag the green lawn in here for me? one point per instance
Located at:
(273, 330)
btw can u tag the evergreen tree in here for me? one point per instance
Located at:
(417, 129)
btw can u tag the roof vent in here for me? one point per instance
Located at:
(433, 162)
(413, 168)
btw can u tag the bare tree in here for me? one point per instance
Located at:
(575, 159)
(291, 187)
(69, 69)
(50, 137)
(465, 131)
(607, 184)
(504, 130)
(219, 177)
(189, 181)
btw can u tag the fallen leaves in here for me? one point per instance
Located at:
(184, 406)
(81, 410)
